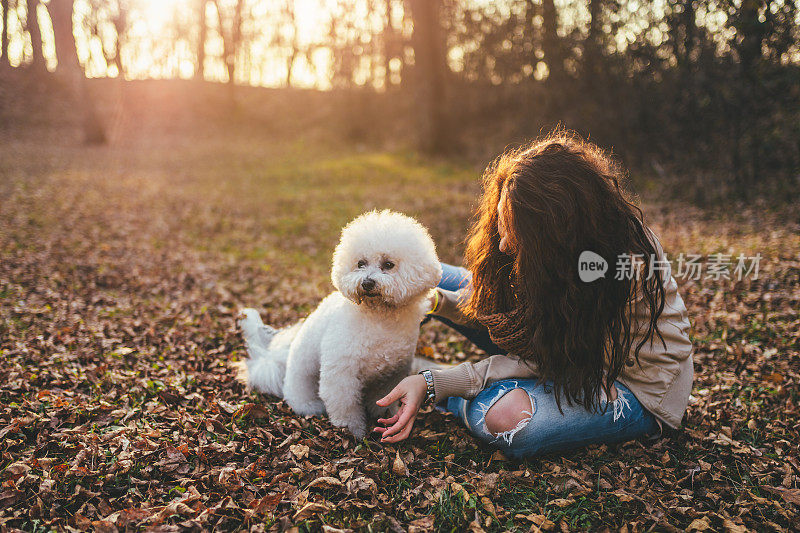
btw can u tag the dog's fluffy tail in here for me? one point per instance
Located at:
(268, 350)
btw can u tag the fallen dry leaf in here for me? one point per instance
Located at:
(699, 524)
(300, 451)
(398, 466)
(311, 509)
(788, 495)
(326, 482)
(421, 525)
(562, 502)
(731, 527)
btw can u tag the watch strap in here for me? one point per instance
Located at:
(430, 393)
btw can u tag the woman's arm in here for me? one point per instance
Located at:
(468, 379)
(465, 380)
(448, 307)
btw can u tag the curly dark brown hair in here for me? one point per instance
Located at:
(563, 195)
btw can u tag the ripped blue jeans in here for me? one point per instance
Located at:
(544, 428)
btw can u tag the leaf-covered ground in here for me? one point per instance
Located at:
(121, 272)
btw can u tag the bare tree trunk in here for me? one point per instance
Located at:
(289, 11)
(430, 65)
(61, 15)
(69, 67)
(592, 44)
(550, 42)
(531, 9)
(388, 46)
(690, 32)
(752, 32)
(690, 25)
(120, 26)
(530, 106)
(32, 25)
(236, 38)
(401, 48)
(290, 66)
(231, 37)
(4, 39)
(200, 70)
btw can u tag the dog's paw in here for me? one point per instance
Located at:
(359, 430)
(355, 424)
(309, 408)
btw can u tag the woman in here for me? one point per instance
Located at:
(572, 362)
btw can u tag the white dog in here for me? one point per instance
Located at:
(360, 341)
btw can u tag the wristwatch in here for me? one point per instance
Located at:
(430, 393)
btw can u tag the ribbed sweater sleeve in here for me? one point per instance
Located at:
(468, 379)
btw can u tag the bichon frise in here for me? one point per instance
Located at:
(360, 341)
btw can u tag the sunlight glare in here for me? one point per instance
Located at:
(160, 12)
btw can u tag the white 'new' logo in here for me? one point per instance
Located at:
(591, 266)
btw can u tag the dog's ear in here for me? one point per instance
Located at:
(434, 271)
(338, 266)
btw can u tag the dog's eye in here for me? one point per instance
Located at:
(387, 265)
(362, 263)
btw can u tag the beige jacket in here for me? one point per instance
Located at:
(662, 381)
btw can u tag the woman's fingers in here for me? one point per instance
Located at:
(395, 428)
(400, 436)
(392, 437)
(405, 433)
(395, 394)
(406, 415)
(389, 421)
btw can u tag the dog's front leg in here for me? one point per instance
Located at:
(341, 392)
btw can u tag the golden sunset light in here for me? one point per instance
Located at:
(284, 41)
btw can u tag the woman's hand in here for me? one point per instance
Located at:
(411, 393)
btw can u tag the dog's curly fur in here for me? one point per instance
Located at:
(360, 341)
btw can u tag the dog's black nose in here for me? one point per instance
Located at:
(368, 284)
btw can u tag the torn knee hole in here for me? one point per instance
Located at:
(510, 413)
